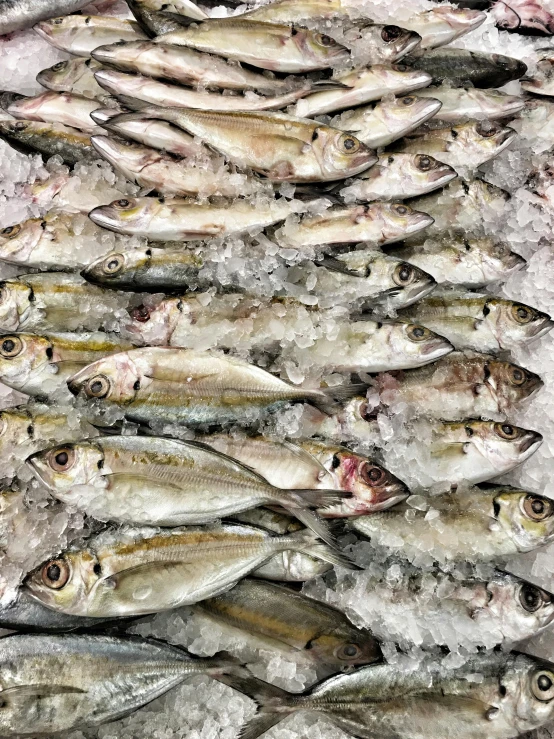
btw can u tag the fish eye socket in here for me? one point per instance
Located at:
(423, 162)
(371, 474)
(400, 67)
(335, 462)
(404, 274)
(538, 509)
(400, 210)
(20, 126)
(542, 685)
(518, 376)
(506, 431)
(113, 264)
(97, 387)
(140, 314)
(349, 144)
(409, 100)
(11, 231)
(57, 21)
(11, 346)
(522, 314)
(417, 333)
(391, 33)
(55, 574)
(324, 40)
(487, 129)
(59, 66)
(348, 651)
(123, 204)
(62, 459)
(530, 597)
(365, 412)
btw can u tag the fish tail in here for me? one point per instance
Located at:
(224, 663)
(307, 542)
(330, 400)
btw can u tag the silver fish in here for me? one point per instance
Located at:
(151, 132)
(463, 104)
(49, 139)
(442, 25)
(15, 15)
(57, 107)
(75, 76)
(80, 35)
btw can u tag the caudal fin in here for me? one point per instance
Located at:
(307, 542)
(330, 400)
(298, 503)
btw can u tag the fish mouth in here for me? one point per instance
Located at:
(504, 139)
(391, 498)
(412, 41)
(423, 220)
(100, 116)
(443, 174)
(103, 54)
(515, 262)
(104, 216)
(532, 440)
(471, 20)
(430, 110)
(437, 348)
(542, 327)
(512, 108)
(43, 29)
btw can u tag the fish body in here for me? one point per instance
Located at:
(28, 615)
(474, 525)
(462, 104)
(463, 68)
(273, 46)
(179, 7)
(75, 76)
(57, 107)
(187, 220)
(49, 139)
(153, 133)
(80, 35)
(444, 24)
(399, 176)
(460, 386)
(363, 86)
(293, 11)
(15, 15)
(279, 146)
(133, 573)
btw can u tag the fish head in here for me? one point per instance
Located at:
(62, 27)
(62, 75)
(503, 445)
(487, 136)
(122, 51)
(510, 383)
(123, 214)
(544, 76)
(16, 428)
(109, 269)
(498, 104)
(114, 379)
(530, 684)
(391, 42)
(485, 195)
(520, 607)
(513, 68)
(532, 17)
(16, 300)
(461, 20)
(126, 156)
(401, 283)
(526, 518)
(516, 323)
(341, 154)
(400, 77)
(495, 259)
(65, 465)
(154, 325)
(29, 107)
(319, 47)
(65, 582)
(399, 220)
(419, 173)
(18, 241)
(416, 344)
(344, 647)
(23, 356)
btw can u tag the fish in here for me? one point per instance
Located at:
(81, 34)
(466, 145)
(75, 76)
(187, 220)
(149, 270)
(195, 388)
(458, 259)
(363, 86)
(460, 105)
(380, 124)
(51, 242)
(186, 67)
(60, 192)
(461, 385)
(54, 683)
(318, 465)
(282, 616)
(135, 572)
(56, 107)
(39, 364)
(464, 68)
(279, 146)
(375, 223)
(150, 481)
(294, 11)
(16, 15)
(154, 170)
(134, 87)
(480, 322)
(399, 176)
(542, 81)
(529, 17)
(151, 132)
(476, 525)
(273, 46)
(49, 139)
(444, 24)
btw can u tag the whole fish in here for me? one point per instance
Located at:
(460, 386)
(160, 482)
(313, 464)
(135, 572)
(376, 223)
(530, 17)
(184, 386)
(462, 104)
(150, 270)
(273, 46)
(39, 364)
(128, 87)
(444, 24)
(283, 616)
(15, 15)
(187, 220)
(186, 66)
(55, 107)
(52, 242)
(57, 683)
(474, 525)
(279, 146)
(80, 35)
(542, 81)
(492, 696)
(75, 76)
(479, 322)
(54, 301)
(49, 139)
(461, 260)
(363, 86)
(399, 176)
(153, 133)
(463, 68)
(465, 145)
(154, 170)
(380, 124)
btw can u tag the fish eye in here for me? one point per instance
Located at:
(499, 250)
(522, 314)
(140, 314)
(61, 459)
(55, 574)
(417, 333)
(59, 66)
(113, 264)
(400, 209)
(349, 144)
(371, 474)
(11, 346)
(335, 462)
(542, 685)
(97, 387)
(518, 376)
(423, 162)
(11, 231)
(348, 651)
(409, 100)
(391, 33)
(538, 509)
(20, 125)
(399, 67)
(506, 431)
(487, 128)
(57, 21)
(365, 412)
(324, 40)
(530, 597)
(404, 274)
(123, 204)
